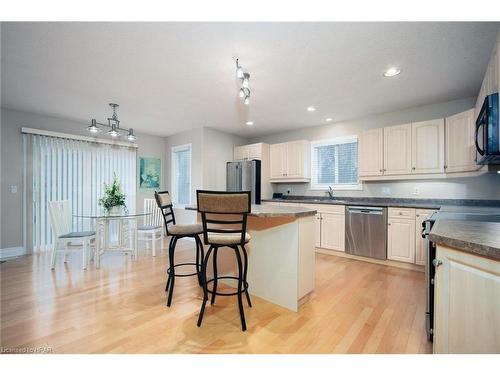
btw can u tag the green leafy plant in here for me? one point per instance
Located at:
(113, 195)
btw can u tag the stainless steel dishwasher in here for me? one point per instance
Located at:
(366, 231)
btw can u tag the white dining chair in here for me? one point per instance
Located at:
(65, 239)
(152, 227)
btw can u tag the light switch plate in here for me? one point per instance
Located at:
(386, 190)
(416, 191)
(13, 189)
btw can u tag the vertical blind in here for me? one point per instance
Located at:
(335, 163)
(74, 170)
(181, 174)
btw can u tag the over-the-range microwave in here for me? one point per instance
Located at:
(487, 135)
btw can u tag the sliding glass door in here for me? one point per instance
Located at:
(74, 170)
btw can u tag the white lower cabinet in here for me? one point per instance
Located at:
(466, 303)
(404, 228)
(332, 231)
(317, 231)
(420, 216)
(401, 235)
(330, 226)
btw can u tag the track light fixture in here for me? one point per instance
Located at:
(244, 92)
(113, 124)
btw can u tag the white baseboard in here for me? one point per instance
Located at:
(12, 252)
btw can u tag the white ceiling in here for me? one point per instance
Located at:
(170, 77)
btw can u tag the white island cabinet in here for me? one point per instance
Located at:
(467, 303)
(280, 254)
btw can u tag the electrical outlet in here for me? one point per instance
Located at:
(416, 191)
(386, 190)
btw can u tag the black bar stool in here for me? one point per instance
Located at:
(177, 232)
(224, 218)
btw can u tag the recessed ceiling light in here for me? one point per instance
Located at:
(328, 119)
(391, 72)
(249, 123)
(311, 109)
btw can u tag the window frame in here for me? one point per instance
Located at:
(330, 142)
(173, 174)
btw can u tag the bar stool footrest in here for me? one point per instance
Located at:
(245, 286)
(184, 274)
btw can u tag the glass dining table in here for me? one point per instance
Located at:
(115, 233)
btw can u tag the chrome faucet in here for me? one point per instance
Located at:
(330, 192)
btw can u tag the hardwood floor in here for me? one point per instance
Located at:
(356, 307)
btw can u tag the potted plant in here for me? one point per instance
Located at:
(114, 199)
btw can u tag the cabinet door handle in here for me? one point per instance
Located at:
(413, 168)
(381, 170)
(436, 262)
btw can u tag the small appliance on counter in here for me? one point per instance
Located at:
(244, 176)
(487, 134)
(277, 195)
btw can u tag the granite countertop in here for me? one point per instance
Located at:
(387, 202)
(479, 236)
(476, 237)
(259, 210)
(478, 232)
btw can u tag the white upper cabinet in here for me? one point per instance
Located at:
(397, 150)
(459, 140)
(255, 151)
(371, 152)
(249, 152)
(427, 146)
(290, 161)
(240, 153)
(295, 159)
(278, 160)
(435, 148)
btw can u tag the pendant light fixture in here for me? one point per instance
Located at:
(93, 128)
(131, 136)
(244, 92)
(113, 124)
(113, 132)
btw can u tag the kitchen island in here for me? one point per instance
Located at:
(280, 254)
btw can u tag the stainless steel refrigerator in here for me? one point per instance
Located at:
(244, 176)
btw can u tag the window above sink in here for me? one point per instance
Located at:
(334, 163)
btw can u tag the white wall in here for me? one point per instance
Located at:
(481, 187)
(217, 151)
(12, 164)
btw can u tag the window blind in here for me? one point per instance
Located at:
(181, 174)
(335, 163)
(67, 169)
